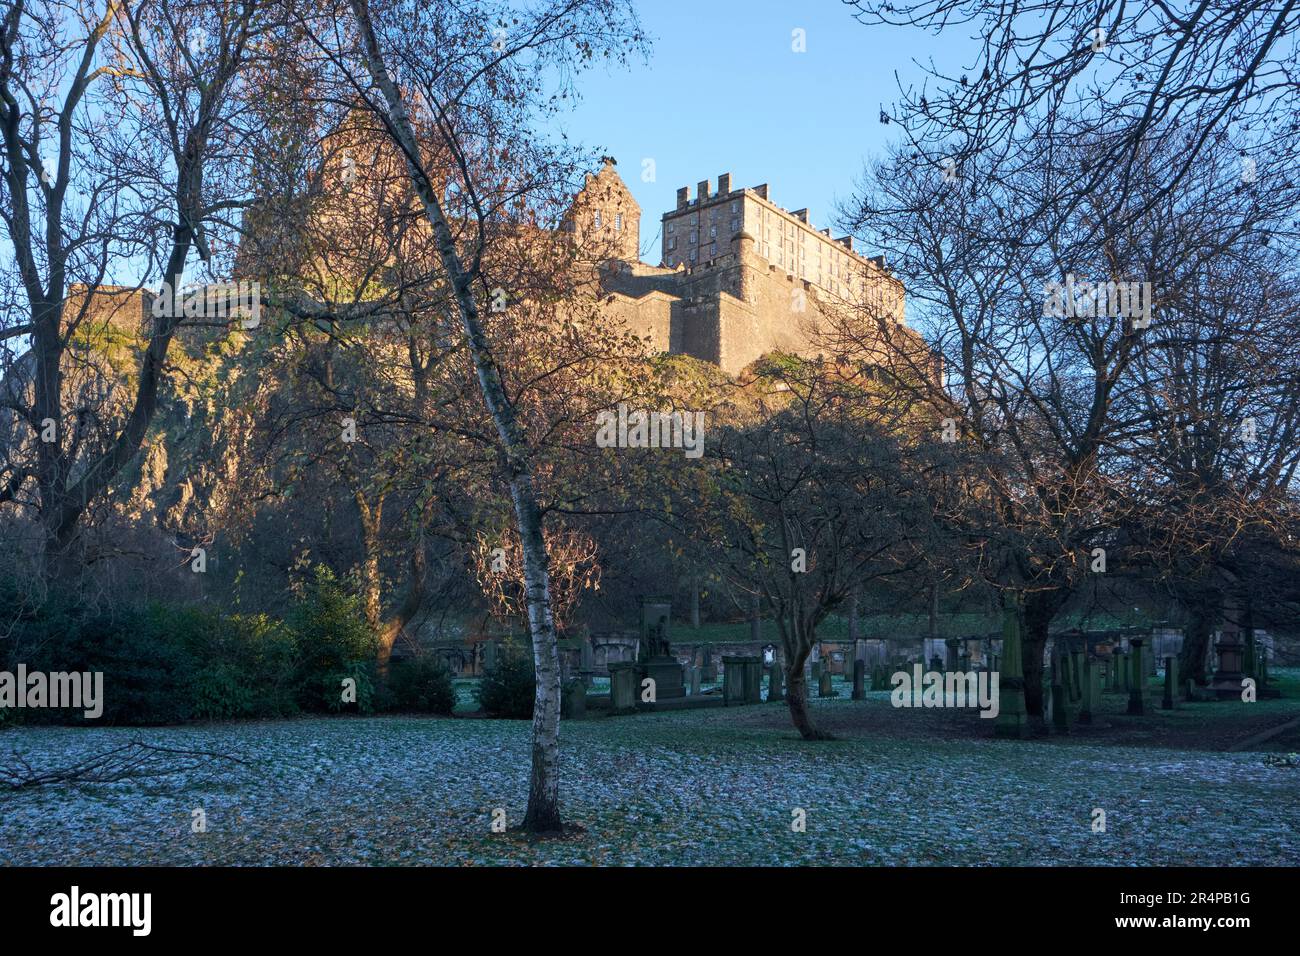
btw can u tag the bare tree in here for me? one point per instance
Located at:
(119, 125)
(472, 75)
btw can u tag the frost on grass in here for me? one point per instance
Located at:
(701, 787)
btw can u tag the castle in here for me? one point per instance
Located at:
(739, 277)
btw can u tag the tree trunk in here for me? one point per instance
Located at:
(543, 813)
(414, 599)
(853, 618)
(695, 600)
(1040, 608)
(371, 586)
(1196, 644)
(796, 696)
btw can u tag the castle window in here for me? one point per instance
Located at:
(735, 205)
(672, 227)
(618, 222)
(713, 232)
(692, 255)
(713, 250)
(735, 225)
(672, 243)
(597, 218)
(695, 237)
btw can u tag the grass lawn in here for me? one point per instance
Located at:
(695, 787)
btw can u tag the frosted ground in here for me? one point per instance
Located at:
(701, 787)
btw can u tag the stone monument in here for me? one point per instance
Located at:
(656, 658)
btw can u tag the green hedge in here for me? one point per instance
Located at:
(167, 664)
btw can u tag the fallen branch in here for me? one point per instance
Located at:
(133, 761)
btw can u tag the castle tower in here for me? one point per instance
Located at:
(605, 219)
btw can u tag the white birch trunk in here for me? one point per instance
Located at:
(543, 814)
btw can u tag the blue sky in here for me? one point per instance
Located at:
(723, 91)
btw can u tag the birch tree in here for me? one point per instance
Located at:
(473, 76)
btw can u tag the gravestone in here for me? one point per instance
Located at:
(657, 660)
(824, 688)
(490, 655)
(1060, 693)
(859, 680)
(1171, 681)
(775, 691)
(1012, 719)
(623, 687)
(1137, 680)
(817, 671)
(695, 681)
(742, 679)
(1226, 683)
(708, 669)
(574, 703)
(953, 662)
(1087, 691)
(587, 664)
(1057, 707)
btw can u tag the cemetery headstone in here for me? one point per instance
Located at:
(657, 660)
(1136, 699)
(1060, 716)
(859, 680)
(574, 703)
(623, 687)
(709, 670)
(1060, 694)
(824, 688)
(1171, 681)
(775, 690)
(742, 679)
(1087, 691)
(695, 681)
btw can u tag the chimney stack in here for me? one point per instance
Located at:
(724, 184)
(703, 190)
(683, 197)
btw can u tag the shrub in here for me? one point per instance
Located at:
(220, 691)
(146, 669)
(333, 642)
(421, 684)
(508, 687)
